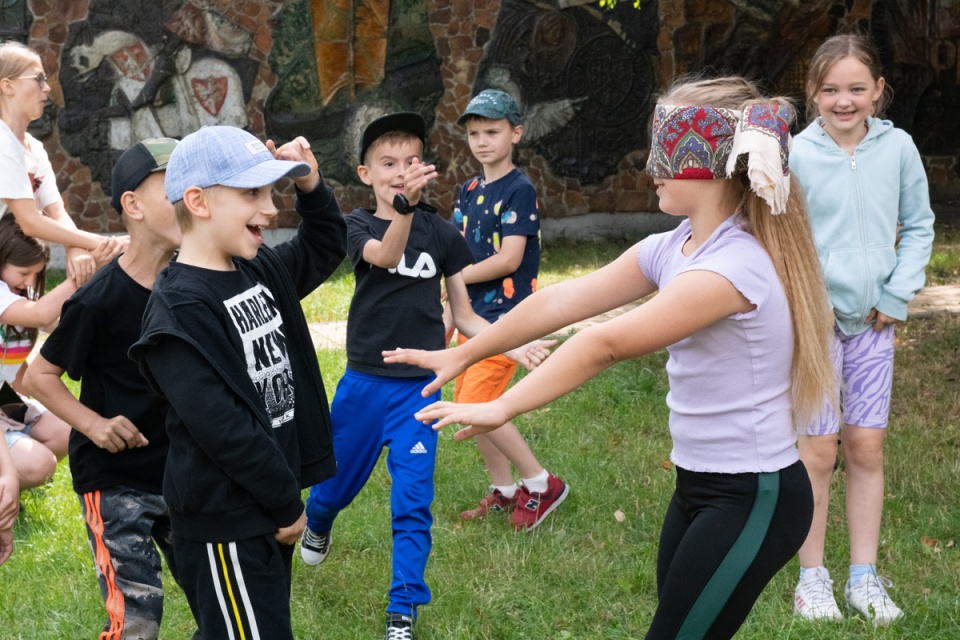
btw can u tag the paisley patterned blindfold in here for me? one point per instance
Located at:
(704, 143)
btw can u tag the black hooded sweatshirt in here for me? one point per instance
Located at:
(231, 473)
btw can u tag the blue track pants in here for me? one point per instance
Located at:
(369, 413)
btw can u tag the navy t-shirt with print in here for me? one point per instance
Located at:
(486, 213)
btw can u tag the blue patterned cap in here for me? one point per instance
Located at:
(226, 156)
(493, 105)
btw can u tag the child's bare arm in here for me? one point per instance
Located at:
(9, 489)
(465, 318)
(42, 312)
(117, 433)
(500, 264)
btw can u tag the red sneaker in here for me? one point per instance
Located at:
(532, 507)
(493, 501)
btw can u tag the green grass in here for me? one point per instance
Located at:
(944, 263)
(584, 573)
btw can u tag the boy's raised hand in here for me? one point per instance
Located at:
(415, 178)
(298, 150)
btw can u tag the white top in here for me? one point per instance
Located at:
(25, 172)
(730, 384)
(13, 352)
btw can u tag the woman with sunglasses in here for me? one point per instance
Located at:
(28, 186)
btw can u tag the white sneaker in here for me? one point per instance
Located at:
(314, 546)
(869, 597)
(813, 598)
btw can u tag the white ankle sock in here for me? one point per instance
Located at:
(537, 483)
(508, 491)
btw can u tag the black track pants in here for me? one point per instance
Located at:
(724, 538)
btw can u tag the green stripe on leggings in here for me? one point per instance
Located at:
(738, 559)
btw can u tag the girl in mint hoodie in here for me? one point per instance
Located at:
(863, 180)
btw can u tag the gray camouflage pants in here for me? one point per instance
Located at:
(125, 527)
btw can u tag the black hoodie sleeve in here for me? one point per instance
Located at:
(216, 422)
(321, 241)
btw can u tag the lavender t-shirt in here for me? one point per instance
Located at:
(730, 389)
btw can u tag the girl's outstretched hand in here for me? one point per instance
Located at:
(477, 418)
(447, 364)
(532, 354)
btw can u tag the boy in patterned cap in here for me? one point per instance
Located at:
(498, 215)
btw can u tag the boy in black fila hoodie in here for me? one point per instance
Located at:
(224, 340)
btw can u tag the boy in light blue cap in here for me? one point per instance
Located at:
(224, 340)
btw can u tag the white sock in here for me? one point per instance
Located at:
(508, 490)
(538, 483)
(813, 570)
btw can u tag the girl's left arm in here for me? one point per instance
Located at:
(690, 303)
(916, 238)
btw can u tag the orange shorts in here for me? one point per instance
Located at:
(484, 381)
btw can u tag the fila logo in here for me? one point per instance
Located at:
(424, 267)
(418, 448)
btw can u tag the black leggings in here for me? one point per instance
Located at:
(724, 538)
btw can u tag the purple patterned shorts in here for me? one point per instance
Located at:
(864, 363)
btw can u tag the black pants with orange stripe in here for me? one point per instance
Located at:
(126, 527)
(723, 539)
(238, 589)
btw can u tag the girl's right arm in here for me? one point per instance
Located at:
(691, 302)
(39, 313)
(545, 312)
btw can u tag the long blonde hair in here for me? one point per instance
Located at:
(788, 239)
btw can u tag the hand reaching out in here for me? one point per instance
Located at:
(446, 363)
(478, 418)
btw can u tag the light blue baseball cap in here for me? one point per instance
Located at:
(225, 156)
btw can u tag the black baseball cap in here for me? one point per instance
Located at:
(406, 121)
(136, 163)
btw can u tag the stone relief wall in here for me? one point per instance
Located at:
(585, 77)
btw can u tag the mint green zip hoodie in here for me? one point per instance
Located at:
(856, 203)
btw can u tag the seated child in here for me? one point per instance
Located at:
(36, 438)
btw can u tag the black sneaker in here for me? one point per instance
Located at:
(399, 627)
(314, 546)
